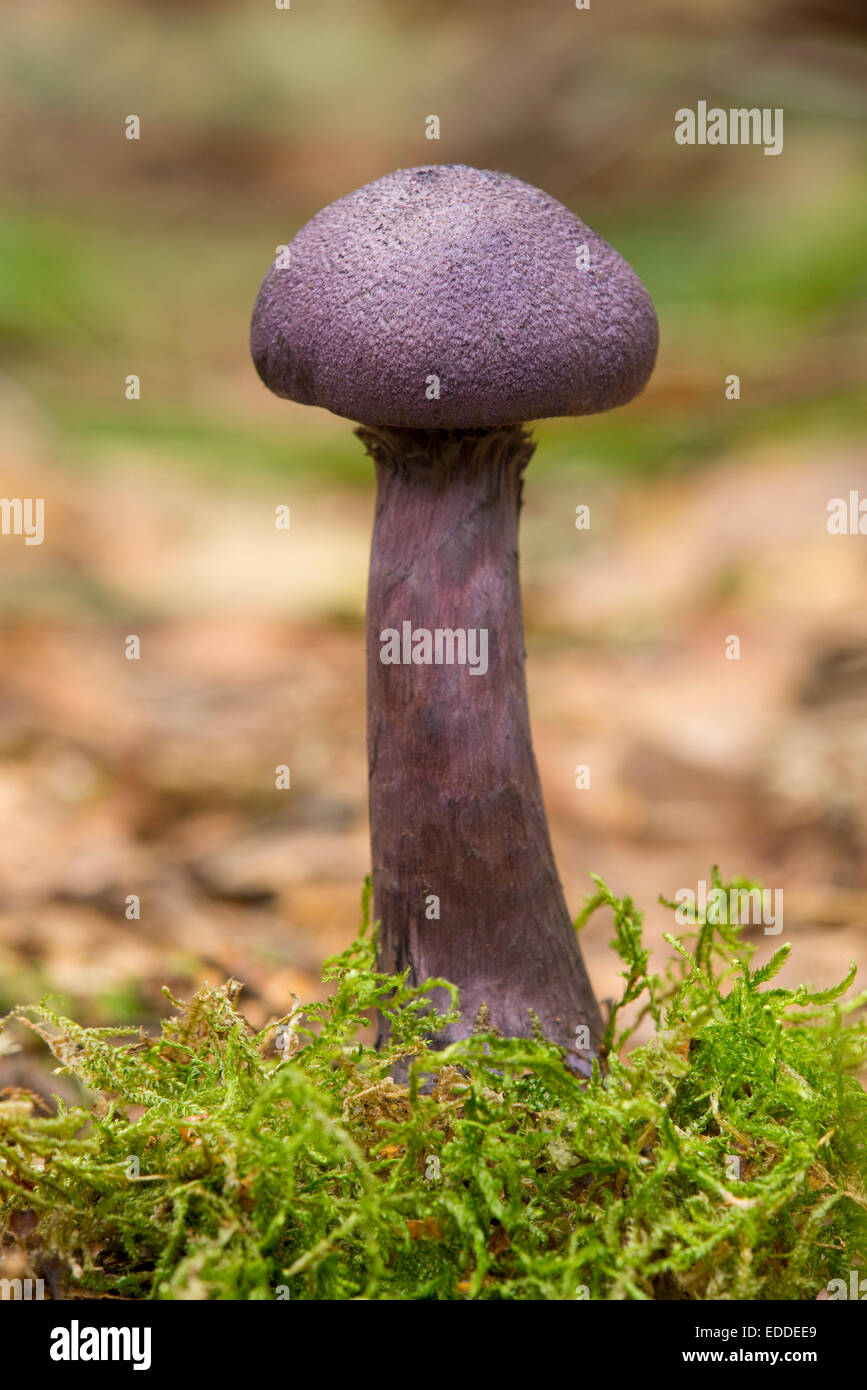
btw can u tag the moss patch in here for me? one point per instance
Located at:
(725, 1158)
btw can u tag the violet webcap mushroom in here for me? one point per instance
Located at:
(442, 309)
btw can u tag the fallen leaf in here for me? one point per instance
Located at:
(424, 1230)
(499, 1241)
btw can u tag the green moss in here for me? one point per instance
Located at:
(725, 1158)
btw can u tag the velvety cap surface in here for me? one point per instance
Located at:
(446, 297)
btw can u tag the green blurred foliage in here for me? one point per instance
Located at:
(120, 257)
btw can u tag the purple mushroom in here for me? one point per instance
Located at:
(442, 308)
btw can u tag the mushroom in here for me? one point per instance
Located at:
(441, 309)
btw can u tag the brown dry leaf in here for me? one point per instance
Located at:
(23, 1223)
(499, 1241)
(187, 1134)
(424, 1230)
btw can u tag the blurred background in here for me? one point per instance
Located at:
(156, 777)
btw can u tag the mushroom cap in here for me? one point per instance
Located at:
(446, 297)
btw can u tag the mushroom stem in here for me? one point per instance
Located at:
(464, 881)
